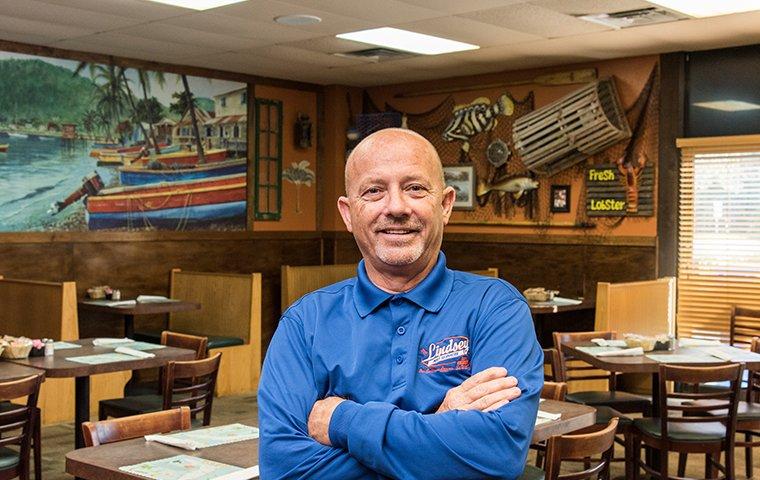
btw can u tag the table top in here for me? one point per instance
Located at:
(145, 308)
(640, 363)
(12, 371)
(103, 462)
(57, 366)
(574, 416)
(548, 307)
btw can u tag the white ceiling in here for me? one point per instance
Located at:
(513, 34)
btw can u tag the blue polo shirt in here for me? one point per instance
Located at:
(394, 357)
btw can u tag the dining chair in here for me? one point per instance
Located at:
(743, 326)
(145, 381)
(135, 426)
(551, 360)
(595, 444)
(550, 391)
(189, 383)
(691, 421)
(17, 426)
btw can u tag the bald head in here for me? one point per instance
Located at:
(392, 141)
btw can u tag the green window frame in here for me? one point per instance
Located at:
(267, 192)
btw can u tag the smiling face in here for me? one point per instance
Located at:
(396, 202)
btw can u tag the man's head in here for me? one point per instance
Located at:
(396, 202)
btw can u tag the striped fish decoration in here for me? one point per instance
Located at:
(476, 117)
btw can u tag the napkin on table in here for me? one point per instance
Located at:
(626, 352)
(697, 342)
(246, 474)
(133, 352)
(173, 441)
(104, 342)
(548, 416)
(608, 343)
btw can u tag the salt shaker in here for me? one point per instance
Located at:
(49, 347)
(116, 295)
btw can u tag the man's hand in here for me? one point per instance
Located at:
(319, 419)
(485, 391)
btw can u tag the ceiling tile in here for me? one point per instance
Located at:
(386, 12)
(137, 43)
(306, 58)
(52, 30)
(470, 31)
(327, 44)
(243, 28)
(173, 33)
(63, 15)
(138, 9)
(24, 37)
(535, 20)
(585, 7)
(452, 7)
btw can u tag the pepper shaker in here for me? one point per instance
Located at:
(49, 347)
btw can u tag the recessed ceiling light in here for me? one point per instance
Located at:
(198, 4)
(709, 8)
(407, 41)
(729, 105)
(297, 20)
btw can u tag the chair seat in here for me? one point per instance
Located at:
(143, 388)
(136, 404)
(622, 401)
(683, 432)
(8, 458)
(744, 411)
(532, 473)
(214, 341)
(604, 414)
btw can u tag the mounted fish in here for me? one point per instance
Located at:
(476, 117)
(517, 186)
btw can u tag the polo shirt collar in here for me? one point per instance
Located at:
(430, 293)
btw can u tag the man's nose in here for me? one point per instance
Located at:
(397, 204)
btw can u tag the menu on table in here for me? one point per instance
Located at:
(181, 467)
(211, 437)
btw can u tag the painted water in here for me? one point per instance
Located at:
(35, 173)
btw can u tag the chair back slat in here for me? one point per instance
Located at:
(554, 391)
(744, 325)
(573, 369)
(199, 392)
(20, 421)
(135, 426)
(585, 445)
(552, 360)
(753, 379)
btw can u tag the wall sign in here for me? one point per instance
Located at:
(610, 193)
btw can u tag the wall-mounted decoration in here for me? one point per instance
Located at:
(498, 153)
(571, 129)
(559, 199)
(302, 133)
(476, 117)
(299, 174)
(462, 179)
(611, 192)
(119, 148)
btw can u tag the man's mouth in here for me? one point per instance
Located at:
(397, 231)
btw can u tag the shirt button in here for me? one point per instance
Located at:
(401, 330)
(400, 359)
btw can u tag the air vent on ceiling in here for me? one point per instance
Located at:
(633, 18)
(378, 54)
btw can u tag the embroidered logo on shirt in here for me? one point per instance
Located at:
(445, 355)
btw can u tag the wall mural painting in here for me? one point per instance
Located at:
(88, 146)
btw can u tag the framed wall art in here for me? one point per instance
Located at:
(560, 199)
(462, 179)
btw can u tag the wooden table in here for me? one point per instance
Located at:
(129, 312)
(103, 462)
(56, 366)
(10, 371)
(561, 318)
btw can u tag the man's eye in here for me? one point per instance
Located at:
(417, 188)
(372, 191)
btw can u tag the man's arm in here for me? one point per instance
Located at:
(455, 444)
(286, 395)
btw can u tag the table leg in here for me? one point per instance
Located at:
(652, 457)
(81, 408)
(129, 326)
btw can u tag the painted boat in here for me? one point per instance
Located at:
(169, 204)
(143, 176)
(4, 147)
(111, 145)
(169, 156)
(115, 155)
(116, 158)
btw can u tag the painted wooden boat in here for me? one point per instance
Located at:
(169, 204)
(3, 147)
(142, 176)
(169, 156)
(118, 159)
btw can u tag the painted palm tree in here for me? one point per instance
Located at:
(194, 119)
(299, 174)
(109, 99)
(135, 113)
(144, 77)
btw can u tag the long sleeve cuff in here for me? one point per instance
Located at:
(340, 422)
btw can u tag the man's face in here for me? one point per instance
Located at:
(396, 204)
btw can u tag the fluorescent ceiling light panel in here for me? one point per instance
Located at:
(729, 105)
(198, 4)
(407, 41)
(709, 8)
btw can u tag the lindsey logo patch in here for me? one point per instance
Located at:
(445, 355)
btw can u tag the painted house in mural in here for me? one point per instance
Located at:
(228, 127)
(183, 129)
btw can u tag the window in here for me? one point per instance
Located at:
(209, 131)
(719, 232)
(236, 131)
(267, 194)
(243, 98)
(223, 101)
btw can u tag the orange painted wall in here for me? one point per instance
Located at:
(630, 74)
(293, 103)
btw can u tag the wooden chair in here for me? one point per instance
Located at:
(142, 383)
(487, 272)
(198, 394)
(297, 281)
(126, 428)
(688, 425)
(744, 325)
(17, 426)
(572, 447)
(550, 391)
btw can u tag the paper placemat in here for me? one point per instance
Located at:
(732, 354)
(682, 358)
(142, 346)
(101, 358)
(65, 345)
(180, 467)
(222, 435)
(597, 350)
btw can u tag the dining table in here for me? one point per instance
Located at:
(129, 309)
(10, 371)
(104, 462)
(561, 316)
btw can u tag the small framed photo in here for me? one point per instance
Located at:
(560, 199)
(462, 178)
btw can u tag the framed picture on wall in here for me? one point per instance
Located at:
(462, 178)
(560, 199)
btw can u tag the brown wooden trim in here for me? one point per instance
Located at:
(150, 65)
(318, 170)
(153, 236)
(723, 143)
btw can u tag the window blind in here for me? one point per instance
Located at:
(719, 233)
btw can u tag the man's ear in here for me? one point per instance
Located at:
(449, 195)
(345, 212)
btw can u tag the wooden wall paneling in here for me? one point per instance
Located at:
(51, 262)
(297, 281)
(616, 264)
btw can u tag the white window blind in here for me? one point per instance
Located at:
(719, 234)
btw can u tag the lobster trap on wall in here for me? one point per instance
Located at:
(571, 129)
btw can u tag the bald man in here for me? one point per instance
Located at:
(408, 370)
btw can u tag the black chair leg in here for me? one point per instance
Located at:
(636, 454)
(682, 464)
(37, 438)
(748, 455)
(663, 464)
